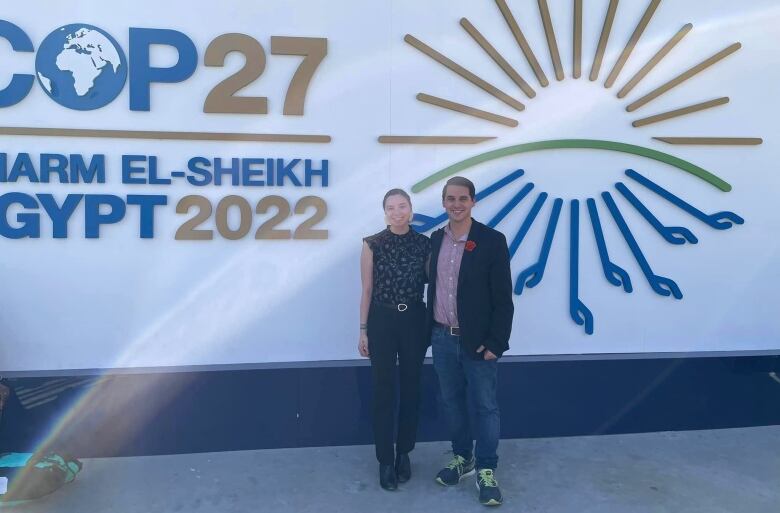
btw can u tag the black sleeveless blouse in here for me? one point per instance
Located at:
(399, 266)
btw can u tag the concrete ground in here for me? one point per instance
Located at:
(733, 470)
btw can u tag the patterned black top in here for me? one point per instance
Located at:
(399, 266)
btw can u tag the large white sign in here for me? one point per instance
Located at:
(187, 184)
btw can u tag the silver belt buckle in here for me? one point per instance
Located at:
(402, 307)
(454, 331)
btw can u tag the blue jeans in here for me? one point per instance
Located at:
(461, 376)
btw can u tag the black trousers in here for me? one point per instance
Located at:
(396, 336)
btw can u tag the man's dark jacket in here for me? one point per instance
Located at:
(485, 306)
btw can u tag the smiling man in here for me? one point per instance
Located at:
(470, 314)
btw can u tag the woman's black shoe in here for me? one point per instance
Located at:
(387, 477)
(403, 468)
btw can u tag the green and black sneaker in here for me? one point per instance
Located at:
(456, 470)
(489, 493)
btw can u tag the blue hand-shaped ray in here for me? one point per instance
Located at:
(719, 220)
(532, 276)
(672, 234)
(422, 223)
(614, 274)
(661, 285)
(509, 206)
(529, 220)
(577, 309)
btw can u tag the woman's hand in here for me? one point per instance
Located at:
(363, 345)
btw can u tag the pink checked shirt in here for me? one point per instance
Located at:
(445, 309)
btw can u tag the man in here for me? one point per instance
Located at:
(470, 315)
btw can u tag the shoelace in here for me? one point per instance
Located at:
(487, 478)
(457, 463)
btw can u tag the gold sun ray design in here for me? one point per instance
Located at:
(499, 59)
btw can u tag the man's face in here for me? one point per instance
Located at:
(458, 203)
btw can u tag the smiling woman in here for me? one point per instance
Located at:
(392, 328)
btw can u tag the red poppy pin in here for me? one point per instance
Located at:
(470, 245)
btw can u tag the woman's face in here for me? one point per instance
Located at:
(398, 211)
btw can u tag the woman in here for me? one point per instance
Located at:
(392, 325)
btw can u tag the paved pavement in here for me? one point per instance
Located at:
(734, 471)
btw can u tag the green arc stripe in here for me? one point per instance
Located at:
(559, 144)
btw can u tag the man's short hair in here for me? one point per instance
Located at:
(461, 181)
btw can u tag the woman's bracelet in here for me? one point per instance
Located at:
(363, 326)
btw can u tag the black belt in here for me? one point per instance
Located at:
(452, 330)
(400, 307)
